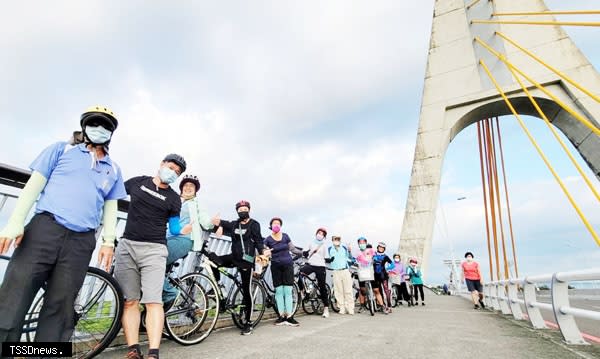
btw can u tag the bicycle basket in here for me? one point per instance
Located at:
(395, 279)
(365, 273)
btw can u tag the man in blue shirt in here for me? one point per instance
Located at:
(75, 184)
(341, 258)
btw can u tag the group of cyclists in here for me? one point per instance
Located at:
(78, 185)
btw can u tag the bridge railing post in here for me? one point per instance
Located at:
(487, 299)
(566, 322)
(494, 296)
(502, 297)
(533, 312)
(513, 299)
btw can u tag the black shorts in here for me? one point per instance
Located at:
(282, 274)
(474, 284)
(374, 284)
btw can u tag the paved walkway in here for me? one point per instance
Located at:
(447, 327)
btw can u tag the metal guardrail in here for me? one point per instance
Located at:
(503, 296)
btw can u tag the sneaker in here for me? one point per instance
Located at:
(247, 330)
(342, 311)
(351, 312)
(361, 309)
(134, 354)
(423, 303)
(481, 303)
(280, 321)
(476, 306)
(292, 322)
(326, 313)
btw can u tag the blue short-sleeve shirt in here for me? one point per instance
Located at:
(78, 185)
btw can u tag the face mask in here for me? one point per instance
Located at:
(276, 228)
(243, 215)
(413, 264)
(167, 175)
(362, 247)
(469, 259)
(97, 134)
(397, 260)
(319, 237)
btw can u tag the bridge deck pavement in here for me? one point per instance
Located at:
(447, 327)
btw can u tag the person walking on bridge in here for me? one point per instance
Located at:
(471, 274)
(141, 255)
(75, 184)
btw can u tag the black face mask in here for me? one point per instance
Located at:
(244, 215)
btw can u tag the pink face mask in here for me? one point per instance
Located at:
(276, 228)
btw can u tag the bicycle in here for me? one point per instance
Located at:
(186, 319)
(366, 274)
(311, 301)
(98, 309)
(271, 303)
(232, 301)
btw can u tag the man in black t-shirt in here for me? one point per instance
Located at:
(142, 251)
(246, 239)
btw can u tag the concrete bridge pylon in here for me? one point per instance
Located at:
(458, 93)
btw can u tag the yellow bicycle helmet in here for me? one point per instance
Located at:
(99, 115)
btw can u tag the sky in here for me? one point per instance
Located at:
(308, 110)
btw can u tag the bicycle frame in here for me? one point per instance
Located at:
(207, 265)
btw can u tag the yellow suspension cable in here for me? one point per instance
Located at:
(472, 4)
(563, 105)
(555, 133)
(565, 12)
(549, 67)
(541, 153)
(525, 22)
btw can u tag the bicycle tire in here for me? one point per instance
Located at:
(370, 298)
(194, 314)
(332, 301)
(92, 303)
(259, 303)
(394, 297)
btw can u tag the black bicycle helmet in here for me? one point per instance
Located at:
(189, 179)
(176, 159)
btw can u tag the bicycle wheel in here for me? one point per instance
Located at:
(259, 301)
(310, 296)
(394, 297)
(332, 301)
(370, 299)
(295, 298)
(98, 309)
(193, 315)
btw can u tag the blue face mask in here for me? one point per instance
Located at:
(167, 175)
(97, 134)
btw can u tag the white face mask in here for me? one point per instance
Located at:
(469, 259)
(97, 134)
(167, 175)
